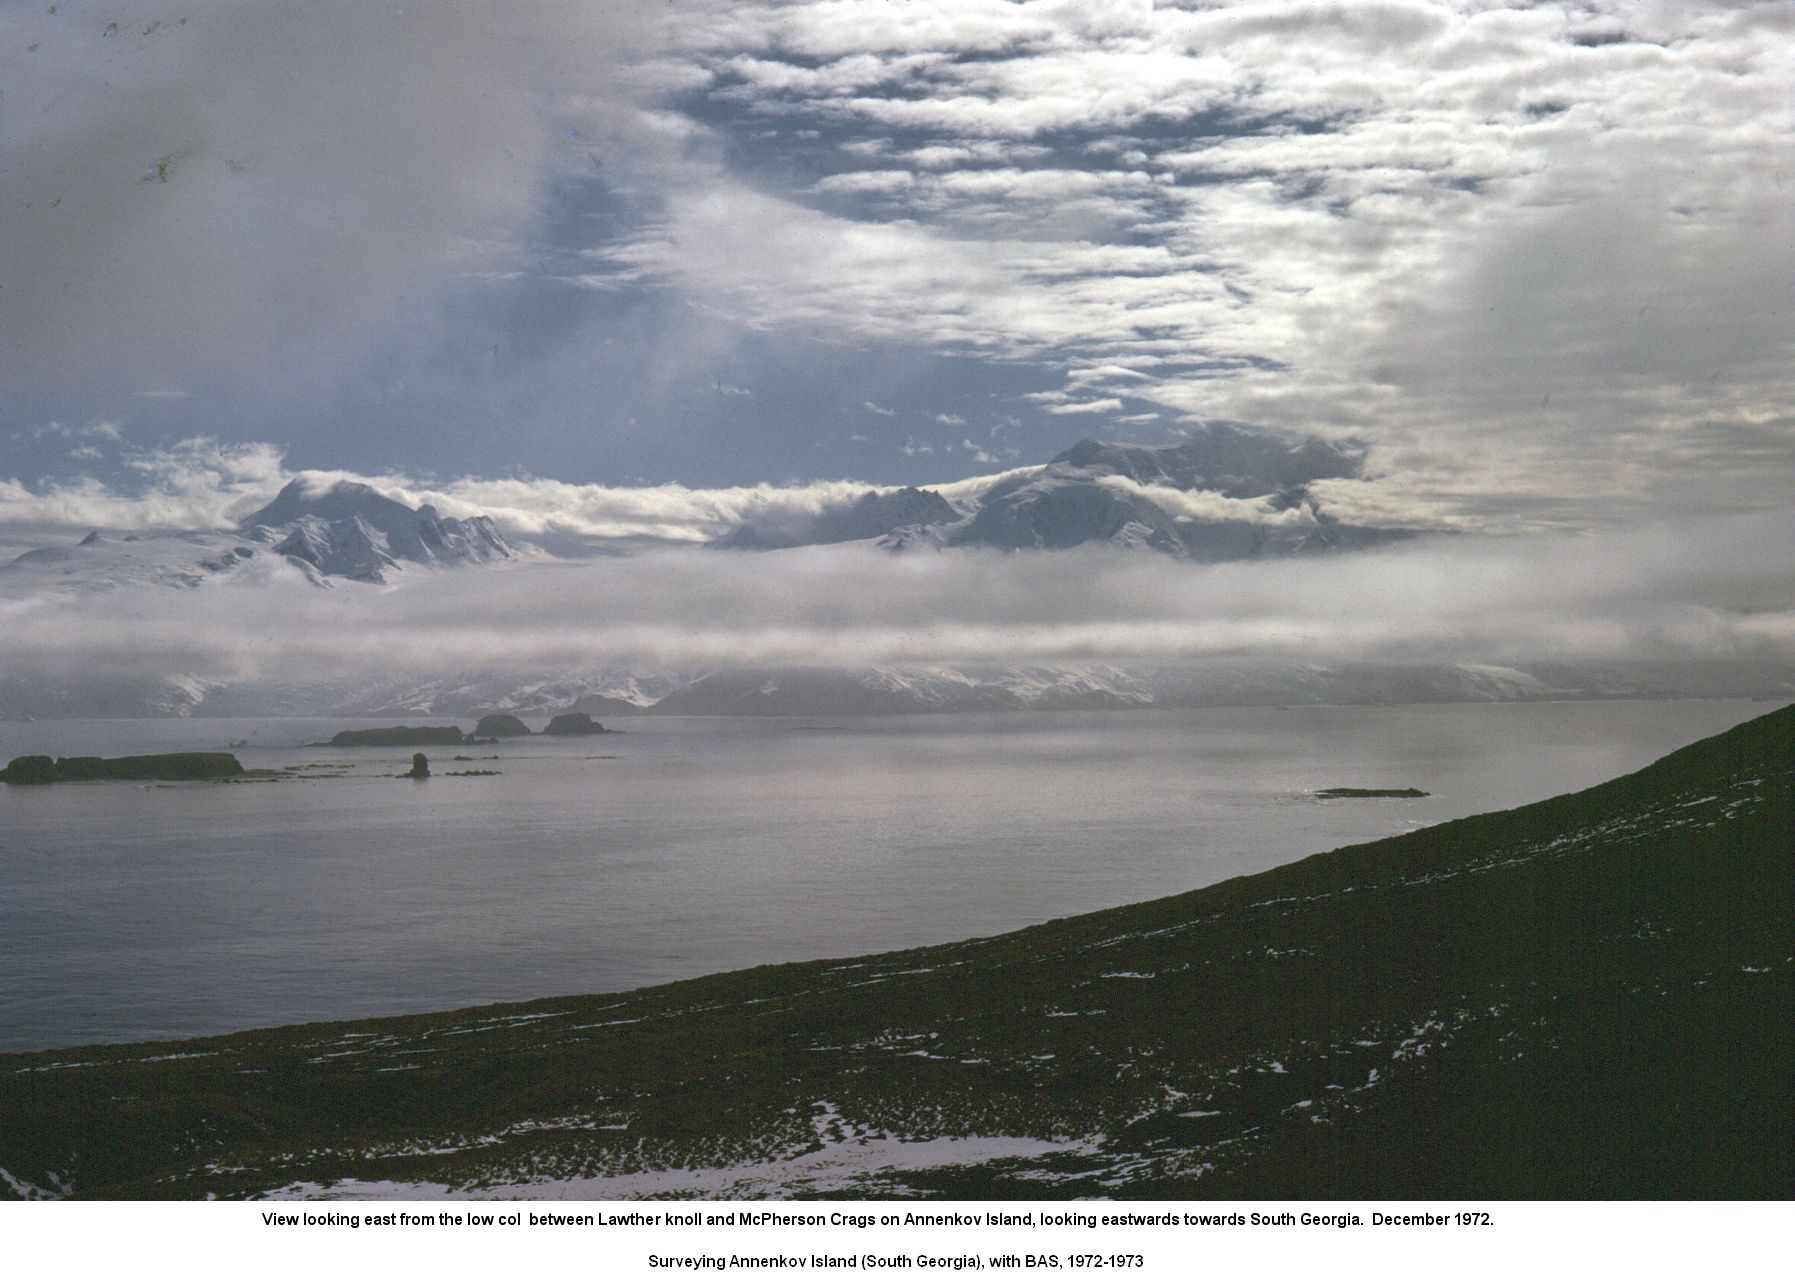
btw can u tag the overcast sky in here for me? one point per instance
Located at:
(1538, 256)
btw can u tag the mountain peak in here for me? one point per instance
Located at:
(351, 529)
(339, 500)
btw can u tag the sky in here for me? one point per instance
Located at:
(1538, 256)
(609, 269)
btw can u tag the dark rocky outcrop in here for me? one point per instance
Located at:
(500, 726)
(1370, 793)
(573, 724)
(397, 736)
(168, 767)
(420, 766)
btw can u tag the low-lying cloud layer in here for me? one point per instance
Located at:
(1716, 589)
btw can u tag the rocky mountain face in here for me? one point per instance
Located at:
(353, 531)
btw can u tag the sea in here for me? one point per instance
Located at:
(676, 847)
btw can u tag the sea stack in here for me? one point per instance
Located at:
(420, 766)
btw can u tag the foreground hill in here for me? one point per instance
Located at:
(1586, 997)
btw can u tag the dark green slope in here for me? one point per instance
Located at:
(1588, 997)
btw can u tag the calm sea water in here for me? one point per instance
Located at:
(139, 911)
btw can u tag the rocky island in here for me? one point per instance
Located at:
(1370, 793)
(500, 725)
(167, 767)
(572, 725)
(397, 736)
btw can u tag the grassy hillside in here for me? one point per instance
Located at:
(1588, 997)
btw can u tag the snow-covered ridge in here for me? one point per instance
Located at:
(1225, 493)
(347, 530)
(352, 530)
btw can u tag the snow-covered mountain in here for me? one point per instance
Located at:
(183, 559)
(351, 530)
(898, 691)
(346, 531)
(1223, 494)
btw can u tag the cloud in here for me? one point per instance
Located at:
(1716, 588)
(195, 484)
(254, 195)
(1533, 252)
(865, 183)
(538, 508)
(1212, 506)
(1531, 238)
(203, 483)
(106, 430)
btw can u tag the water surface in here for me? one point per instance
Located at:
(138, 911)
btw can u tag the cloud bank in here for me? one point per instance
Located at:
(252, 196)
(1535, 252)
(202, 484)
(1654, 594)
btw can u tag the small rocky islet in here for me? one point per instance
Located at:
(396, 736)
(1371, 793)
(40, 770)
(487, 729)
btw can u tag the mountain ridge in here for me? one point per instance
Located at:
(1224, 493)
(352, 530)
(347, 530)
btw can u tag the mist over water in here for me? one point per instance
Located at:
(687, 846)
